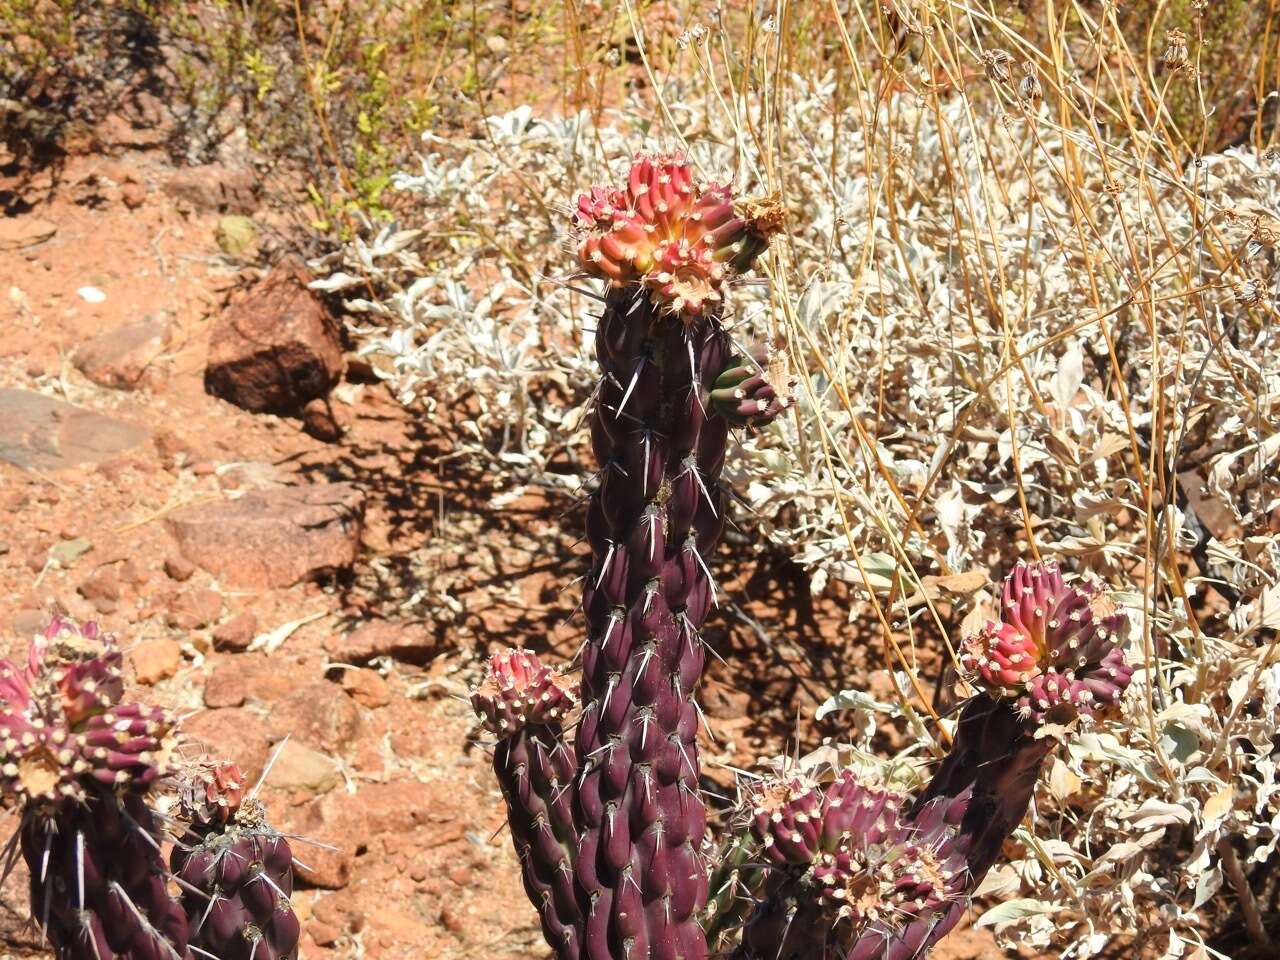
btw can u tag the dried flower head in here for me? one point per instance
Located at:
(998, 65)
(1029, 89)
(1175, 50)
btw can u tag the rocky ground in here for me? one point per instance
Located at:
(188, 455)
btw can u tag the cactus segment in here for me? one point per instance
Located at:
(524, 703)
(98, 883)
(236, 872)
(62, 724)
(1058, 651)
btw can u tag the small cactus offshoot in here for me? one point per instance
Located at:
(235, 870)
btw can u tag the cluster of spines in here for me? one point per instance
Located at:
(1057, 650)
(236, 872)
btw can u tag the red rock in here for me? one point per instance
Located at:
(102, 585)
(134, 195)
(273, 538)
(247, 677)
(132, 574)
(320, 421)
(390, 926)
(366, 687)
(195, 609)
(410, 642)
(323, 935)
(125, 359)
(27, 623)
(298, 768)
(179, 568)
(237, 633)
(316, 713)
(41, 433)
(275, 349)
(215, 188)
(155, 660)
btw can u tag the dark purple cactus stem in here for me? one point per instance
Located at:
(652, 524)
(524, 704)
(99, 886)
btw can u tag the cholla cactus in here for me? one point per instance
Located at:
(1057, 650)
(611, 835)
(236, 872)
(79, 763)
(612, 851)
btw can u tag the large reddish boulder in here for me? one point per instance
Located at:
(273, 538)
(275, 349)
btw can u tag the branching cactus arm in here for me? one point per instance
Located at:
(524, 704)
(1054, 658)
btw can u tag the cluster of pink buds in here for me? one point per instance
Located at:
(61, 719)
(1057, 650)
(518, 690)
(680, 241)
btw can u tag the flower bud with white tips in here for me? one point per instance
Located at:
(519, 690)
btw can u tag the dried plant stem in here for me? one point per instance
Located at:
(1244, 893)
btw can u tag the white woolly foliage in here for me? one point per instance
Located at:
(953, 320)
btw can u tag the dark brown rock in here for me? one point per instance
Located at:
(41, 433)
(125, 358)
(275, 349)
(273, 538)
